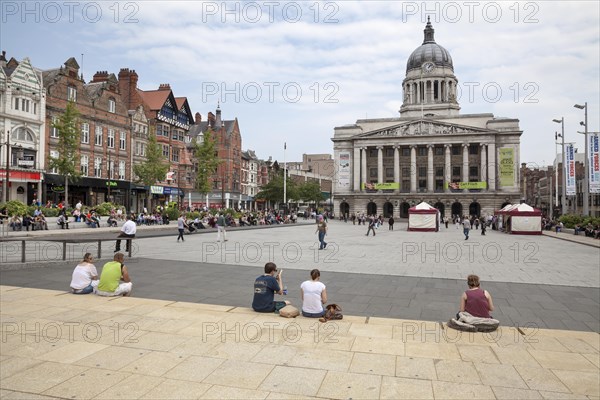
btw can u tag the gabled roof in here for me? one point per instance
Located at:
(182, 103)
(155, 99)
(94, 90)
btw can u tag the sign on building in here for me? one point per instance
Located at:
(594, 163)
(570, 169)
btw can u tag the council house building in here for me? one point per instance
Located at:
(461, 164)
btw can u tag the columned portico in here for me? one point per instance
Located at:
(465, 163)
(363, 161)
(483, 163)
(491, 156)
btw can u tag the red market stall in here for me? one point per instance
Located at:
(522, 219)
(423, 218)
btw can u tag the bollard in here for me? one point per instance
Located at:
(64, 250)
(22, 251)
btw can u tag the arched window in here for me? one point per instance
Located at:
(22, 135)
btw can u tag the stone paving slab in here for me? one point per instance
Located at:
(267, 357)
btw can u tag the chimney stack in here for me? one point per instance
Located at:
(197, 118)
(164, 86)
(100, 76)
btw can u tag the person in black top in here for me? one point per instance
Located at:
(265, 287)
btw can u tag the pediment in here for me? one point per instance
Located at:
(422, 128)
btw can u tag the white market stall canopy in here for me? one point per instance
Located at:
(423, 218)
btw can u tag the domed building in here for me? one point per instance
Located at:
(461, 164)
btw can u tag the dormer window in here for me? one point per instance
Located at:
(112, 105)
(71, 94)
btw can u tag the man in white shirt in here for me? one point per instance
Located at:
(127, 231)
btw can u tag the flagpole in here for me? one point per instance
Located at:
(284, 177)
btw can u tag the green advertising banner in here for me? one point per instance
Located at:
(381, 186)
(465, 185)
(506, 160)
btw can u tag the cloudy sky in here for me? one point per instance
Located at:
(292, 71)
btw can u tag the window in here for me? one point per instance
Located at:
(25, 105)
(422, 184)
(422, 172)
(389, 172)
(122, 140)
(111, 169)
(85, 132)
(175, 153)
(122, 170)
(54, 154)
(84, 165)
(456, 150)
(16, 103)
(166, 151)
(438, 151)
(474, 171)
(110, 142)
(98, 139)
(373, 152)
(405, 152)
(35, 108)
(439, 171)
(474, 149)
(98, 167)
(422, 151)
(53, 130)
(162, 130)
(455, 171)
(71, 94)
(439, 185)
(389, 152)
(373, 173)
(406, 172)
(112, 105)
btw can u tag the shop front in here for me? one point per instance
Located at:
(23, 185)
(90, 191)
(161, 195)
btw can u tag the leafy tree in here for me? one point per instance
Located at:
(205, 154)
(154, 168)
(68, 126)
(310, 192)
(273, 191)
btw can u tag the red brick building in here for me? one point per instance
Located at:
(105, 144)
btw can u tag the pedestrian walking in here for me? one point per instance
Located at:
(391, 223)
(371, 226)
(446, 222)
(221, 228)
(181, 225)
(466, 227)
(483, 227)
(322, 230)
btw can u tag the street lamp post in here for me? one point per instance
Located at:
(564, 177)
(6, 194)
(586, 183)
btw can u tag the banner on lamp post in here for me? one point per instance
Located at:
(594, 164)
(570, 169)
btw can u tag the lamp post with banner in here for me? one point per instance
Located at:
(564, 178)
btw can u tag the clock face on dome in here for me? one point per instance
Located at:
(428, 67)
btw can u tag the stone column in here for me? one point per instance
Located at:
(380, 164)
(430, 185)
(465, 166)
(363, 161)
(418, 92)
(413, 168)
(483, 164)
(447, 167)
(356, 169)
(396, 164)
(491, 158)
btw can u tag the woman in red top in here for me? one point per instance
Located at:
(476, 301)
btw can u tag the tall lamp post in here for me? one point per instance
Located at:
(284, 179)
(556, 136)
(561, 121)
(586, 183)
(6, 194)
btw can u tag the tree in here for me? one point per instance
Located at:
(273, 191)
(68, 126)
(205, 155)
(154, 168)
(310, 192)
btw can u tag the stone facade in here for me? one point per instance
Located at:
(460, 164)
(22, 114)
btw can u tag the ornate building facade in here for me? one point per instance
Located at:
(462, 164)
(22, 115)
